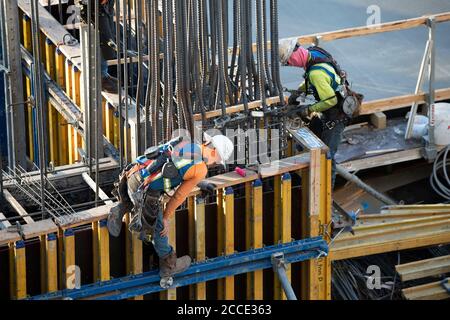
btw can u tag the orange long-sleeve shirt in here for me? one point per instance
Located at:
(196, 174)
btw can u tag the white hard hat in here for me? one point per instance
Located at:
(223, 145)
(286, 48)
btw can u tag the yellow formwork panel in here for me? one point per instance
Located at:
(285, 219)
(225, 228)
(67, 267)
(254, 229)
(277, 291)
(52, 122)
(76, 93)
(30, 131)
(26, 33)
(316, 273)
(50, 65)
(68, 73)
(196, 209)
(17, 269)
(49, 263)
(71, 137)
(100, 236)
(104, 109)
(27, 44)
(53, 134)
(63, 139)
(60, 73)
(133, 252)
(109, 124)
(42, 39)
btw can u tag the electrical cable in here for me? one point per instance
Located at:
(440, 179)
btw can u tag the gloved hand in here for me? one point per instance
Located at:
(304, 112)
(293, 98)
(207, 188)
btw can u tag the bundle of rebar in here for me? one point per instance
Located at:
(190, 69)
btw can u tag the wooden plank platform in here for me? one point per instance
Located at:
(392, 233)
(432, 291)
(222, 182)
(424, 269)
(383, 160)
(54, 31)
(7, 237)
(17, 206)
(39, 228)
(236, 109)
(86, 217)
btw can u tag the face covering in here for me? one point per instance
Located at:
(299, 58)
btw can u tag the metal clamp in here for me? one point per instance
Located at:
(16, 228)
(280, 267)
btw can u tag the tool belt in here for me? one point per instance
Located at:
(334, 116)
(146, 204)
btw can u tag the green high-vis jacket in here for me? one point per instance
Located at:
(323, 84)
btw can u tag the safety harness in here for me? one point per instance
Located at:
(348, 101)
(145, 182)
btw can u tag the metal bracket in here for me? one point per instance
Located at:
(279, 267)
(16, 228)
(4, 69)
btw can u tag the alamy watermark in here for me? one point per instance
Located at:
(374, 19)
(73, 280)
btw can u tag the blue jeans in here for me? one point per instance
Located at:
(161, 244)
(104, 68)
(332, 138)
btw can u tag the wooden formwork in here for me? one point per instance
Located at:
(259, 210)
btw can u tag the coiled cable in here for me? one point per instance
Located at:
(440, 179)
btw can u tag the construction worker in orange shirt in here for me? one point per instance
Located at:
(176, 168)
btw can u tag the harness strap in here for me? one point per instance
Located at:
(332, 75)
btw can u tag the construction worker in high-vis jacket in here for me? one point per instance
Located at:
(324, 80)
(174, 170)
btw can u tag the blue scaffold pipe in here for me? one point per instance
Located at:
(218, 268)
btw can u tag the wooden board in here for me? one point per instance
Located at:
(424, 269)
(39, 228)
(53, 30)
(392, 236)
(398, 102)
(365, 30)
(7, 237)
(281, 167)
(87, 216)
(237, 109)
(373, 29)
(432, 291)
(17, 206)
(383, 160)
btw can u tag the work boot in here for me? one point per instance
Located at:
(170, 265)
(115, 217)
(109, 84)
